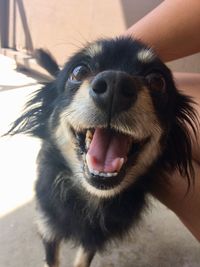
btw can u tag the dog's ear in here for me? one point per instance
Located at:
(46, 61)
(37, 110)
(178, 150)
(34, 118)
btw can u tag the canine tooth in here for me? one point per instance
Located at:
(117, 163)
(121, 162)
(89, 134)
(88, 138)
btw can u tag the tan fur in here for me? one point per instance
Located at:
(94, 49)
(146, 55)
(44, 228)
(82, 259)
(66, 142)
(82, 112)
(140, 121)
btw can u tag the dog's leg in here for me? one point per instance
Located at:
(83, 258)
(51, 253)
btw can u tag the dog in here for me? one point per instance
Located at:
(112, 125)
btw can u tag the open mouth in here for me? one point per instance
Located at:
(107, 154)
(106, 151)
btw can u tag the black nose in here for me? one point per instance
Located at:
(114, 91)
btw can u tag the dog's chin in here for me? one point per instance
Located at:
(107, 183)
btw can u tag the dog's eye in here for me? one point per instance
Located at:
(156, 81)
(79, 73)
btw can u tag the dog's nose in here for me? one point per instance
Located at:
(114, 91)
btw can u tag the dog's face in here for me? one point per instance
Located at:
(116, 101)
(115, 115)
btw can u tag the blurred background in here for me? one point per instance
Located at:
(65, 26)
(62, 27)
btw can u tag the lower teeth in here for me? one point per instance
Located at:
(103, 174)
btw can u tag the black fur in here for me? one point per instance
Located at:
(46, 60)
(71, 211)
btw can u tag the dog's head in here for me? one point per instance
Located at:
(114, 113)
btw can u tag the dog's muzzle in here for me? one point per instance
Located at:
(108, 150)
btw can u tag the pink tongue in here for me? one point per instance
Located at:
(108, 151)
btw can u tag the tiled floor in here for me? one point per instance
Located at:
(160, 241)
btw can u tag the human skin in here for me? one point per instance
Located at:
(172, 29)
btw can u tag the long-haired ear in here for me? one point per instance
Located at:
(47, 61)
(179, 144)
(37, 110)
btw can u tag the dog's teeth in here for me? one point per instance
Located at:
(88, 138)
(103, 174)
(110, 174)
(89, 134)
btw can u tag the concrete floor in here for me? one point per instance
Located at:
(161, 240)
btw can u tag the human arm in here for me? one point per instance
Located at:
(172, 29)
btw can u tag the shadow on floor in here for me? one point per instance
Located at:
(21, 246)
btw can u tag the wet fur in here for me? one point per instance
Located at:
(70, 212)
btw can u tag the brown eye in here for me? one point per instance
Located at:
(156, 81)
(79, 73)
